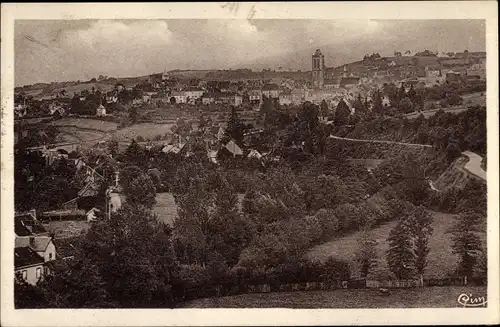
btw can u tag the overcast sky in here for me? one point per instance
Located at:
(48, 51)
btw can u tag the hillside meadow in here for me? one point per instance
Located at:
(441, 260)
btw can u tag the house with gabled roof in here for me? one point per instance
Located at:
(33, 248)
(233, 148)
(28, 265)
(271, 91)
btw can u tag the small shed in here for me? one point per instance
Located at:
(101, 111)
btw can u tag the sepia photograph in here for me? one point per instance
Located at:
(249, 163)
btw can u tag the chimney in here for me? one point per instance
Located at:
(32, 242)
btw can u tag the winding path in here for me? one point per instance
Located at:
(432, 112)
(379, 141)
(473, 166)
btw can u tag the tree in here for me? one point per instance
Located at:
(267, 106)
(182, 127)
(412, 94)
(452, 151)
(420, 222)
(401, 93)
(358, 105)
(76, 104)
(141, 192)
(203, 123)
(195, 196)
(138, 187)
(113, 147)
(378, 107)
(132, 114)
(135, 154)
(342, 113)
(391, 91)
(405, 105)
(235, 128)
(400, 256)
(466, 243)
(328, 221)
(28, 296)
(325, 111)
(229, 233)
(306, 129)
(366, 254)
(124, 262)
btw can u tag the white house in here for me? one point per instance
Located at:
(271, 91)
(179, 96)
(193, 93)
(285, 98)
(92, 214)
(255, 96)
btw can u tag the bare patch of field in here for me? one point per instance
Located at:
(165, 208)
(86, 123)
(70, 228)
(422, 297)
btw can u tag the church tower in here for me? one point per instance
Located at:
(318, 69)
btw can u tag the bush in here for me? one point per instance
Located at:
(328, 222)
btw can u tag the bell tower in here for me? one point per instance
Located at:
(318, 69)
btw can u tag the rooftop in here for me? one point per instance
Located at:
(67, 247)
(270, 87)
(39, 244)
(25, 256)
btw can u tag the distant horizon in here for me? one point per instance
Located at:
(227, 69)
(69, 50)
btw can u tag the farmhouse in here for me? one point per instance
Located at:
(255, 96)
(179, 97)
(28, 265)
(285, 98)
(33, 248)
(271, 91)
(101, 111)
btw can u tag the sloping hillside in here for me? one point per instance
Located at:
(455, 176)
(441, 261)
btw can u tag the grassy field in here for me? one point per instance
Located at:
(425, 297)
(85, 123)
(165, 208)
(475, 99)
(145, 130)
(65, 136)
(63, 229)
(441, 261)
(81, 134)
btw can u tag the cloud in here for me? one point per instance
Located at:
(70, 50)
(119, 36)
(113, 48)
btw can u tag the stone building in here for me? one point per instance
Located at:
(318, 69)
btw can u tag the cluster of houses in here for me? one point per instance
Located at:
(426, 66)
(326, 83)
(34, 250)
